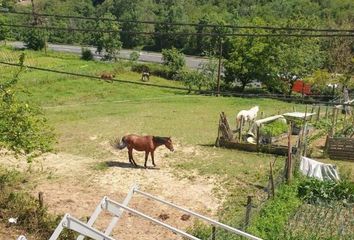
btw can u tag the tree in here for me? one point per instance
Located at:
(170, 11)
(108, 42)
(208, 45)
(209, 70)
(296, 58)
(133, 10)
(191, 79)
(174, 60)
(249, 59)
(23, 127)
(340, 59)
(34, 39)
(319, 81)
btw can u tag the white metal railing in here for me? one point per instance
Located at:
(209, 220)
(117, 210)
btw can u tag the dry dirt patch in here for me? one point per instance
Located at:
(70, 184)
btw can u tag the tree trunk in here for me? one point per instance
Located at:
(291, 83)
(243, 86)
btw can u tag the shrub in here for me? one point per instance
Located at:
(191, 79)
(134, 56)
(200, 230)
(86, 54)
(316, 191)
(34, 39)
(272, 219)
(174, 60)
(154, 69)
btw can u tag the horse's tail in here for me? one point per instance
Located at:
(119, 144)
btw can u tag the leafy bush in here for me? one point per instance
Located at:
(174, 60)
(34, 39)
(108, 42)
(316, 191)
(23, 127)
(200, 230)
(256, 91)
(154, 69)
(272, 219)
(274, 128)
(134, 56)
(191, 79)
(86, 54)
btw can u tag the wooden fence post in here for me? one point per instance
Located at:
(326, 112)
(318, 113)
(333, 123)
(289, 161)
(40, 200)
(240, 133)
(217, 142)
(312, 110)
(213, 232)
(271, 179)
(258, 136)
(248, 211)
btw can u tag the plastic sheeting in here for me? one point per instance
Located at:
(321, 171)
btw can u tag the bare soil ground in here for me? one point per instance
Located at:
(71, 184)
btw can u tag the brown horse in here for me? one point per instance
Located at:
(143, 143)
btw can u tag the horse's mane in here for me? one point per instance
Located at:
(159, 140)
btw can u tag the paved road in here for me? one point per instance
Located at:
(191, 61)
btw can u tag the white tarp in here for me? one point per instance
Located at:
(298, 115)
(321, 171)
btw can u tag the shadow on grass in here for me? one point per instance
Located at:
(127, 165)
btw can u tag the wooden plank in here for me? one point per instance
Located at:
(279, 150)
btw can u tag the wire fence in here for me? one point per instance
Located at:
(222, 93)
(327, 221)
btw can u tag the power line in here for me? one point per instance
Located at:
(92, 77)
(285, 98)
(177, 33)
(182, 24)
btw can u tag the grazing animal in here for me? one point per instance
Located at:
(247, 115)
(143, 143)
(145, 76)
(107, 76)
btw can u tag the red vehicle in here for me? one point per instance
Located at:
(301, 87)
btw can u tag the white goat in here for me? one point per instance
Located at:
(247, 115)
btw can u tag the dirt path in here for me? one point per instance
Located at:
(71, 184)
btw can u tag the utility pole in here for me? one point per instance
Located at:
(219, 66)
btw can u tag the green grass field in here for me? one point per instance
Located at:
(80, 108)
